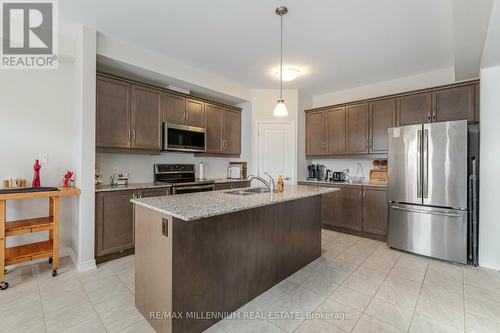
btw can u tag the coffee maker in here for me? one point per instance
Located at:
(316, 172)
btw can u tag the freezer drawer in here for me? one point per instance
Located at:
(434, 232)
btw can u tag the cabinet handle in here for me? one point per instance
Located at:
(434, 113)
(129, 135)
(164, 227)
(133, 135)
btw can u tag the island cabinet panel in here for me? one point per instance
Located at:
(315, 133)
(146, 111)
(335, 131)
(114, 222)
(195, 113)
(414, 109)
(375, 210)
(113, 99)
(455, 103)
(382, 117)
(174, 108)
(357, 128)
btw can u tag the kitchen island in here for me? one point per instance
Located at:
(201, 256)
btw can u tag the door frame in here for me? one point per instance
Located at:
(256, 153)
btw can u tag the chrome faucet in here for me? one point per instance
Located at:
(272, 181)
(263, 181)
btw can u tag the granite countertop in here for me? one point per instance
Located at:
(323, 182)
(194, 206)
(130, 186)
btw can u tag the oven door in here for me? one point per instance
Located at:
(183, 138)
(192, 189)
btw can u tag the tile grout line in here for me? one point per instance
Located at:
(40, 297)
(418, 297)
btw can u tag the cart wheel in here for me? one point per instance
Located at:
(54, 272)
(4, 285)
(51, 260)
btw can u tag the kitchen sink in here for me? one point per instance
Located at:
(249, 191)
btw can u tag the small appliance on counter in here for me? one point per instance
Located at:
(340, 176)
(119, 179)
(316, 172)
(237, 170)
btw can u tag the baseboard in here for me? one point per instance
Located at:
(86, 266)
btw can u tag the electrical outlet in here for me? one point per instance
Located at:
(43, 158)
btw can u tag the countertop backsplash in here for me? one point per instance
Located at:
(340, 165)
(140, 167)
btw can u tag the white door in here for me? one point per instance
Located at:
(276, 150)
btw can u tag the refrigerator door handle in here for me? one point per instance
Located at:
(425, 166)
(419, 164)
(413, 210)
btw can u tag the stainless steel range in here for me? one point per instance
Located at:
(182, 178)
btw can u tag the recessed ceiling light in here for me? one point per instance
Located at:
(289, 73)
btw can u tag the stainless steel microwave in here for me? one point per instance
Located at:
(183, 138)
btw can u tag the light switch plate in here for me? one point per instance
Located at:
(43, 158)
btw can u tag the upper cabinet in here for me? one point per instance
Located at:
(355, 129)
(223, 130)
(414, 109)
(454, 103)
(382, 117)
(113, 99)
(127, 115)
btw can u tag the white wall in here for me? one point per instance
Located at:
(489, 193)
(263, 103)
(36, 117)
(409, 83)
(140, 167)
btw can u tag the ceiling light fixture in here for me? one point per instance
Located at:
(280, 109)
(289, 73)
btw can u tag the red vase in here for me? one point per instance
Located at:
(36, 175)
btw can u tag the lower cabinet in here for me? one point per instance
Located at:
(231, 185)
(343, 208)
(114, 220)
(375, 210)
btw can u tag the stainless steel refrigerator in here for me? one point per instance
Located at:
(428, 189)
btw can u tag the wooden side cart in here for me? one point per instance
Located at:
(33, 251)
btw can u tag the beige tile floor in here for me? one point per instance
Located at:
(358, 285)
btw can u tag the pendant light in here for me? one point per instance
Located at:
(280, 109)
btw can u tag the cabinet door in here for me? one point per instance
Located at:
(114, 222)
(357, 128)
(146, 125)
(174, 109)
(232, 132)
(213, 119)
(335, 131)
(414, 109)
(343, 208)
(453, 104)
(382, 117)
(222, 186)
(154, 192)
(195, 113)
(375, 210)
(112, 113)
(315, 133)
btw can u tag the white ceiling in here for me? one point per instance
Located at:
(341, 44)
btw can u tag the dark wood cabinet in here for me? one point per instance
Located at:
(214, 125)
(335, 131)
(382, 116)
(231, 185)
(223, 130)
(145, 118)
(114, 228)
(454, 103)
(113, 128)
(375, 210)
(356, 138)
(195, 113)
(153, 192)
(174, 108)
(343, 208)
(315, 133)
(414, 109)
(232, 132)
